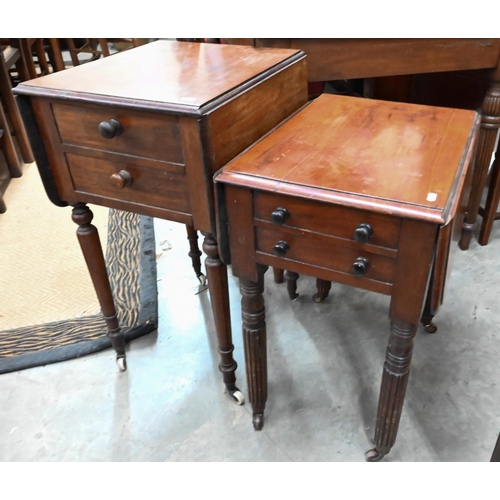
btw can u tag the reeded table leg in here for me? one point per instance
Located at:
(195, 253)
(291, 284)
(219, 295)
(323, 288)
(254, 335)
(278, 275)
(392, 392)
(490, 122)
(90, 244)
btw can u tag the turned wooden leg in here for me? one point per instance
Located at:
(92, 251)
(393, 388)
(323, 288)
(291, 284)
(490, 210)
(278, 275)
(195, 253)
(219, 295)
(490, 122)
(254, 335)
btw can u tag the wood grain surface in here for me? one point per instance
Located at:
(163, 72)
(389, 157)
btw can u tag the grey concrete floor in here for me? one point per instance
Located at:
(325, 365)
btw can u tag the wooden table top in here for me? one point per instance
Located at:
(387, 157)
(344, 58)
(163, 73)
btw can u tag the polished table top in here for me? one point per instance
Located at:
(397, 157)
(163, 73)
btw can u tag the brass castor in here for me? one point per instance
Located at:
(318, 298)
(431, 328)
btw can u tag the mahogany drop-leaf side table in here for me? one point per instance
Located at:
(367, 193)
(144, 131)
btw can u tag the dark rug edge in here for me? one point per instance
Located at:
(148, 314)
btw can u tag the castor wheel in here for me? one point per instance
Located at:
(318, 298)
(373, 455)
(293, 295)
(122, 363)
(431, 328)
(237, 396)
(258, 421)
(202, 279)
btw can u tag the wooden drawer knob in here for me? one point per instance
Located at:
(110, 128)
(363, 233)
(279, 216)
(281, 248)
(360, 266)
(121, 179)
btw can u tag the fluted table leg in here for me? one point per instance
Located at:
(411, 280)
(278, 275)
(322, 290)
(490, 122)
(254, 335)
(291, 284)
(392, 393)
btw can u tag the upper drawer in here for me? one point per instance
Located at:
(147, 135)
(333, 220)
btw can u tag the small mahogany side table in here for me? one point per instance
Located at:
(144, 131)
(366, 193)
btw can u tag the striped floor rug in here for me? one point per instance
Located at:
(131, 263)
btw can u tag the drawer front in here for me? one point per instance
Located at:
(154, 187)
(328, 219)
(325, 252)
(146, 135)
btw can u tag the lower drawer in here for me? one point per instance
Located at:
(328, 253)
(148, 186)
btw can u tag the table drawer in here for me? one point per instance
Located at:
(155, 187)
(326, 252)
(146, 135)
(328, 219)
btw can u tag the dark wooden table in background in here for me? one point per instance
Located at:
(343, 59)
(367, 193)
(144, 131)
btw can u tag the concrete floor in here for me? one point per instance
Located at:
(325, 365)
